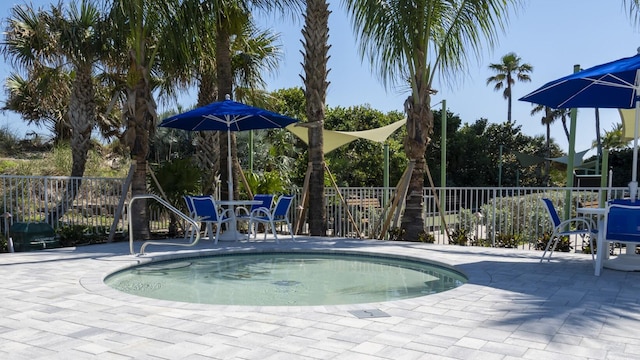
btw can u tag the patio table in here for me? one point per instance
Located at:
(232, 233)
(627, 261)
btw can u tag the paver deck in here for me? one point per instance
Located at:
(54, 305)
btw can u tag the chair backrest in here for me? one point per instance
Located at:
(552, 211)
(187, 200)
(623, 222)
(204, 207)
(282, 207)
(266, 201)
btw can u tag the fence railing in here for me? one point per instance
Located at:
(499, 217)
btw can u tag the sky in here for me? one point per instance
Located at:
(550, 35)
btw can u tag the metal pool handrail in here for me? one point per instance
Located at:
(168, 206)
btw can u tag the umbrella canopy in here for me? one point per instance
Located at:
(611, 85)
(227, 115)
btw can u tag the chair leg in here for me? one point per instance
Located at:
(218, 226)
(547, 247)
(290, 230)
(555, 244)
(273, 230)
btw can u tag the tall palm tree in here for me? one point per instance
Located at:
(413, 42)
(252, 52)
(229, 17)
(42, 100)
(66, 39)
(546, 120)
(316, 35)
(614, 139)
(144, 36)
(507, 72)
(555, 114)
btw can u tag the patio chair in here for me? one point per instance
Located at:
(622, 225)
(243, 214)
(191, 230)
(206, 212)
(574, 226)
(279, 214)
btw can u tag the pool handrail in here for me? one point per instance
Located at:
(168, 206)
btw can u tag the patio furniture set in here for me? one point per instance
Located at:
(617, 222)
(207, 211)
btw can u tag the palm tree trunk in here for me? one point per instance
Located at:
(225, 87)
(509, 100)
(142, 122)
(208, 154)
(419, 126)
(82, 117)
(316, 49)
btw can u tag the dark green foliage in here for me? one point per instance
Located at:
(505, 240)
(74, 235)
(426, 237)
(564, 244)
(460, 236)
(361, 162)
(176, 178)
(396, 234)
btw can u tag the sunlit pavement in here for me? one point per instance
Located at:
(54, 305)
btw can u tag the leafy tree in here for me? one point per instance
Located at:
(433, 155)
(361, 162)
(507, 72)
(176, 178)
(413, 42)
(473, 155)
(547, 119)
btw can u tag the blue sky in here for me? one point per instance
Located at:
(550, 35)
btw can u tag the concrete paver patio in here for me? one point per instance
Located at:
(54, 305)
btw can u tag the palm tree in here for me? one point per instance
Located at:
(144, 41)
(68, 40)
(316, 48)
(413, 42)
(253, 53)
(229, 18)
(546, 120)
(614, 139)
(507, 72)
(42, 100)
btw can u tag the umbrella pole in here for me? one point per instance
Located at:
(633, 185)
(229, 166)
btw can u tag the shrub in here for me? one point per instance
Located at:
(460, 236)
(564, 244)
(396, 234)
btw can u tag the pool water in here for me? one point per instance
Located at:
(283, 279)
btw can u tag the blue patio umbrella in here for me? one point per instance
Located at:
(227, 115)
(611, 85)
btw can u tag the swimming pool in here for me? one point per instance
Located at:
(286, 279)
